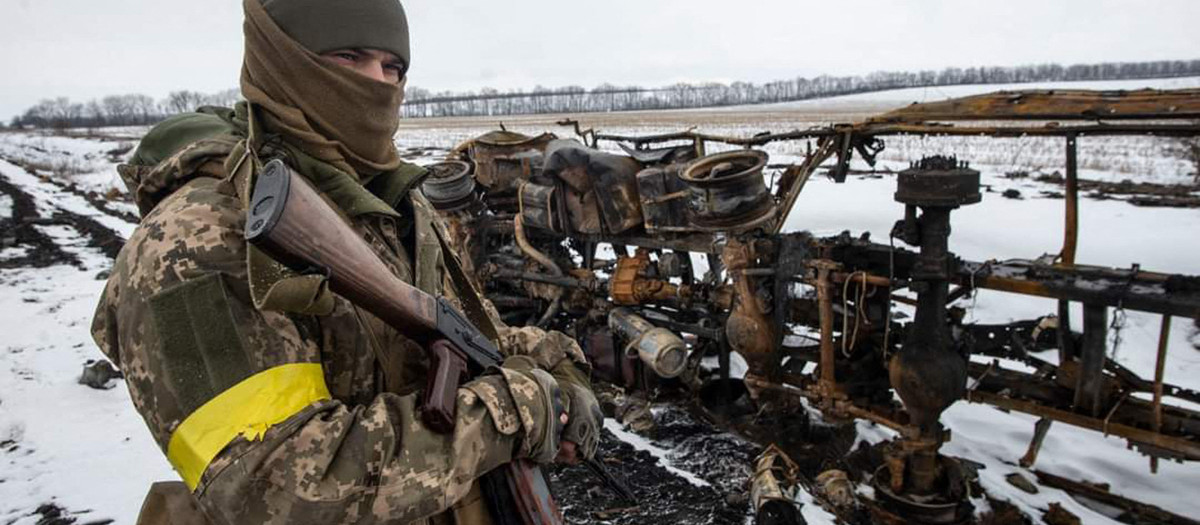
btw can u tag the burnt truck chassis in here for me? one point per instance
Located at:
(785, 300)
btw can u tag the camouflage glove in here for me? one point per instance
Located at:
(585, 417)
(542, 406)
(561, 355)
(583, 423)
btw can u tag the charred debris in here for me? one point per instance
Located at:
(814, 318)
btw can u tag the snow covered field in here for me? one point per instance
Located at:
(87, 450)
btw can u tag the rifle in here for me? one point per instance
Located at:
(290, 221)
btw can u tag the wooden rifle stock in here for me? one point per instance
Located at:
(290, 221)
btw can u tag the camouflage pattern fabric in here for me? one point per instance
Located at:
(562, 356)
(178, 318)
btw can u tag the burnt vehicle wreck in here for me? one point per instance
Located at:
(701, 269)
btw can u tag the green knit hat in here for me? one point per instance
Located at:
(324, 25)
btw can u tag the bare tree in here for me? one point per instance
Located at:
(93, 115)
(144, 109)
(184, 101)
(141, 109)
(224, 99)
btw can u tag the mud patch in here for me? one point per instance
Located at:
(102, 202)
(33, 248)
(99, 236)
(1146, 194)
(52, 514)
(36, 249)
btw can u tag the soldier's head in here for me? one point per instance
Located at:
(328, 77)
(369, 37)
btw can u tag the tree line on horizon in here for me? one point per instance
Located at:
(118, 110)
(607, 97)
(137, 109)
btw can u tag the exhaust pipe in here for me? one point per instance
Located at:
(663, 351)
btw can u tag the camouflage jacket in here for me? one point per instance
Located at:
(299, 412)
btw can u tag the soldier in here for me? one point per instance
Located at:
(276, 400)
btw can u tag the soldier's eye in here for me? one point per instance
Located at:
(395, 70)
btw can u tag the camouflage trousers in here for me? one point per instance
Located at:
(171, 503)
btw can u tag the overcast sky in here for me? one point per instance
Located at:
(84, 49)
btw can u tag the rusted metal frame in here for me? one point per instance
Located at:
(1160, 364)
(544, 278)
(903, 429)
(1129, 411)
(699, 145)
(1056, 105)
(791, 253)
(1087, 490)
(1037, 271)
(1182, 447)
(1091, 363)
(845, 151)
(996, 378)
(1071, 221)
(875, 129)
(756, 140)
(825, 304)
(1173, 304)
(588, 136)
(1128, 380)
(1066, 341)
(891, 420)
(860, 276)
(692, 242)
(1131, 381)
(1165, 130)
(1097, 272)
(1130, 289)
(795, 184)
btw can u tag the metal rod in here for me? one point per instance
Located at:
(795, 184)
(1071, 226)
(847, 408)
(825, 301)
(1188, 449)
(1160, 364)
(1040, 429)
(568, 282)
(1066, 341)
(1066, 349)
(871, 129)
(1147, 512)
(1091, 366)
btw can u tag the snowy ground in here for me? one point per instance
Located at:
(87, 451)
(61, 442)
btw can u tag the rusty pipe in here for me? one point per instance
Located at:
(542, 259)
(1066, 350)
(1160, 364)
(1071, 221)
(825, 303)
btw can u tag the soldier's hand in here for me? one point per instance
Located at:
(581, 436)
(580, 430)
(584, 418)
